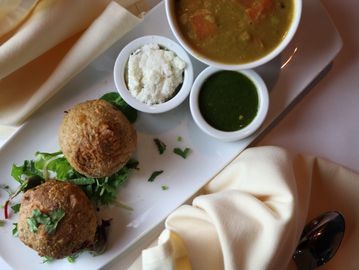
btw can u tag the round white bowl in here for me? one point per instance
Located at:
(248, 65)
(121, 65)
(228, 136)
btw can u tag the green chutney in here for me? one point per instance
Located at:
(228, 100)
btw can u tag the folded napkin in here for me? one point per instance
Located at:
(45, 43)
(251, 215)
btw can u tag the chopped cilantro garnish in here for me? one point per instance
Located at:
(72, 258)
(179, 139)
(47, 259)
(50, 221)
(161, 146)
(154, 175)
(31, 222)
(183, 153)
(16, 207)
(14, 230)
(2, 222)
(164, 187)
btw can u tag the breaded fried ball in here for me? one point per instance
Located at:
(74, 232)
(96, 138)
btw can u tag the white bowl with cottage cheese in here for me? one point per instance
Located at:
(153, 74)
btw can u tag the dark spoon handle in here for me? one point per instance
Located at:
(304, 260)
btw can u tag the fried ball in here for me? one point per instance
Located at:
(96, 138)
(74, 232)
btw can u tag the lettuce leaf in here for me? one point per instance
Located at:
(55, 165)
(115, 99)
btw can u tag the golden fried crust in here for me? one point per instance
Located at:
(96, 138)
(75, 231)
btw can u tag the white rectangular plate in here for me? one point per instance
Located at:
(313, 48)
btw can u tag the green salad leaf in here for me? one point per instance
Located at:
(24, 171)
(55, 165)
(116, 100)
(41, 166)
(104, 190)
(54, 162)
(82, 181)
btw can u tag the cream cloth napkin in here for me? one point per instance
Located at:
(251, 215)
(45, 43)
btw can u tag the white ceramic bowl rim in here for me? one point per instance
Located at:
(121, 64)
(233, 135)
(292, 30)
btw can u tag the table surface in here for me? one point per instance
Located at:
(324, 122)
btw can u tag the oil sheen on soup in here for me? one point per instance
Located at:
(233, 31)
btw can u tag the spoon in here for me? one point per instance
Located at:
(319, 241)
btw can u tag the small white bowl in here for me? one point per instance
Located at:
(228, 136)
(121, 65)
(248, 65)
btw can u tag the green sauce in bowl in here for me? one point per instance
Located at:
(228, 100)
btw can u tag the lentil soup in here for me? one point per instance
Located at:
(233, 31)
